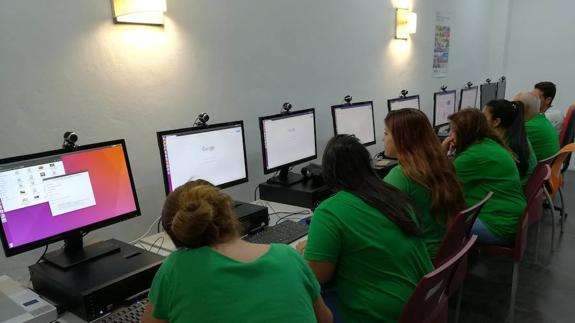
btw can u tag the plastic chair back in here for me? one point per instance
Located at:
(567, 135)
(423, 305)
(534, 187)
(458, 232)
(556, 178)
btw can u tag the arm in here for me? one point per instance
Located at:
(147, 317)
(322, 312)
(323, 270)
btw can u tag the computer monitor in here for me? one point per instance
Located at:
(501, 89)
(355, 119)
(443, 107)
(287, 140)
(61, 195)
(488, 93)
(468, 97)
(403, 103)
(215, 153)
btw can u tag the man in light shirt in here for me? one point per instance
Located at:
(546, 92)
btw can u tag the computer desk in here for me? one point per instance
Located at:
(161, 244)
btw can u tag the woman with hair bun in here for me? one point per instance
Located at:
(215, 276)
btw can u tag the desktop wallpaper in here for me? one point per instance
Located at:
(112, 191)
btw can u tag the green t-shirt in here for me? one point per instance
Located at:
(202, 285)
(377, 266)
(543, 137)
(488, 167)
(532, 164)
(420, 199)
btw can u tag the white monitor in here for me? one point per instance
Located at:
(468, 97)
(288, 139)
(403, 103)
(214, 153)
(355, 119)
(443, 107)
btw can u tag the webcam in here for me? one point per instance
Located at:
(70, 139)
(202, 120)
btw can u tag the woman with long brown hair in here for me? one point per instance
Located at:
(214, 276)
(424, 173)
(484, 164)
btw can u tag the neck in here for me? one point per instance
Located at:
(500, 131)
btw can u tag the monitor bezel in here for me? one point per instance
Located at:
(504, 82)
(454, 93)
(63, 235)
(191, 130)
(411, 97)
(350, 106)
(476, 88)
(281, 116)
(482, 104)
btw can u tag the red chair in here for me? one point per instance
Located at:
(567, 135)
(517, 250)
(534, 191)
(458, 233)
(428, 303)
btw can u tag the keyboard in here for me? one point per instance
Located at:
(284, 232)
(131, 313)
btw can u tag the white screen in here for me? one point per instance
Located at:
(469, 98)
(356, 120)
(216, 156)
(404, 104)
(444, 107)
(289, 139)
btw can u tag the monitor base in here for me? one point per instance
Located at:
(286, 179)
(70, 257)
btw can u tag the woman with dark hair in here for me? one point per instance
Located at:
(214, 276)
(507, 119)
(424, 173)
(364, 238)
(484, 164)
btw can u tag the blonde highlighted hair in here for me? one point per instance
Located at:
(198, 214)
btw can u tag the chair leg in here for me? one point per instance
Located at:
(562, 209)
(552, 207)
(537, 233)
(458, 306)
(513, 291)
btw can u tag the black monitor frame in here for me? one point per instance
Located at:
(71, 234)
(476, 88)
(350, 106)
(411, 97)
(282, 116)
(200, 129)
(484, 86)
(454, 92)
(501, 85)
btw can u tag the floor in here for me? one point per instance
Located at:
(546, 289)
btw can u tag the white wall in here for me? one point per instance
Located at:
(66, 66)
(541, 47)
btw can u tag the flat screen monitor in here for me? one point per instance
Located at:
(443, 107)
(355, 119)
(288, 139)
(488, 93)
(403, 103)
(215, 153)
(46, 197)
(468, 97)
(501, 89)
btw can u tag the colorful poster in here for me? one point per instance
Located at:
(441, 46)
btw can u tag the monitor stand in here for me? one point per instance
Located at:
(74, 252)
(286, 178)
